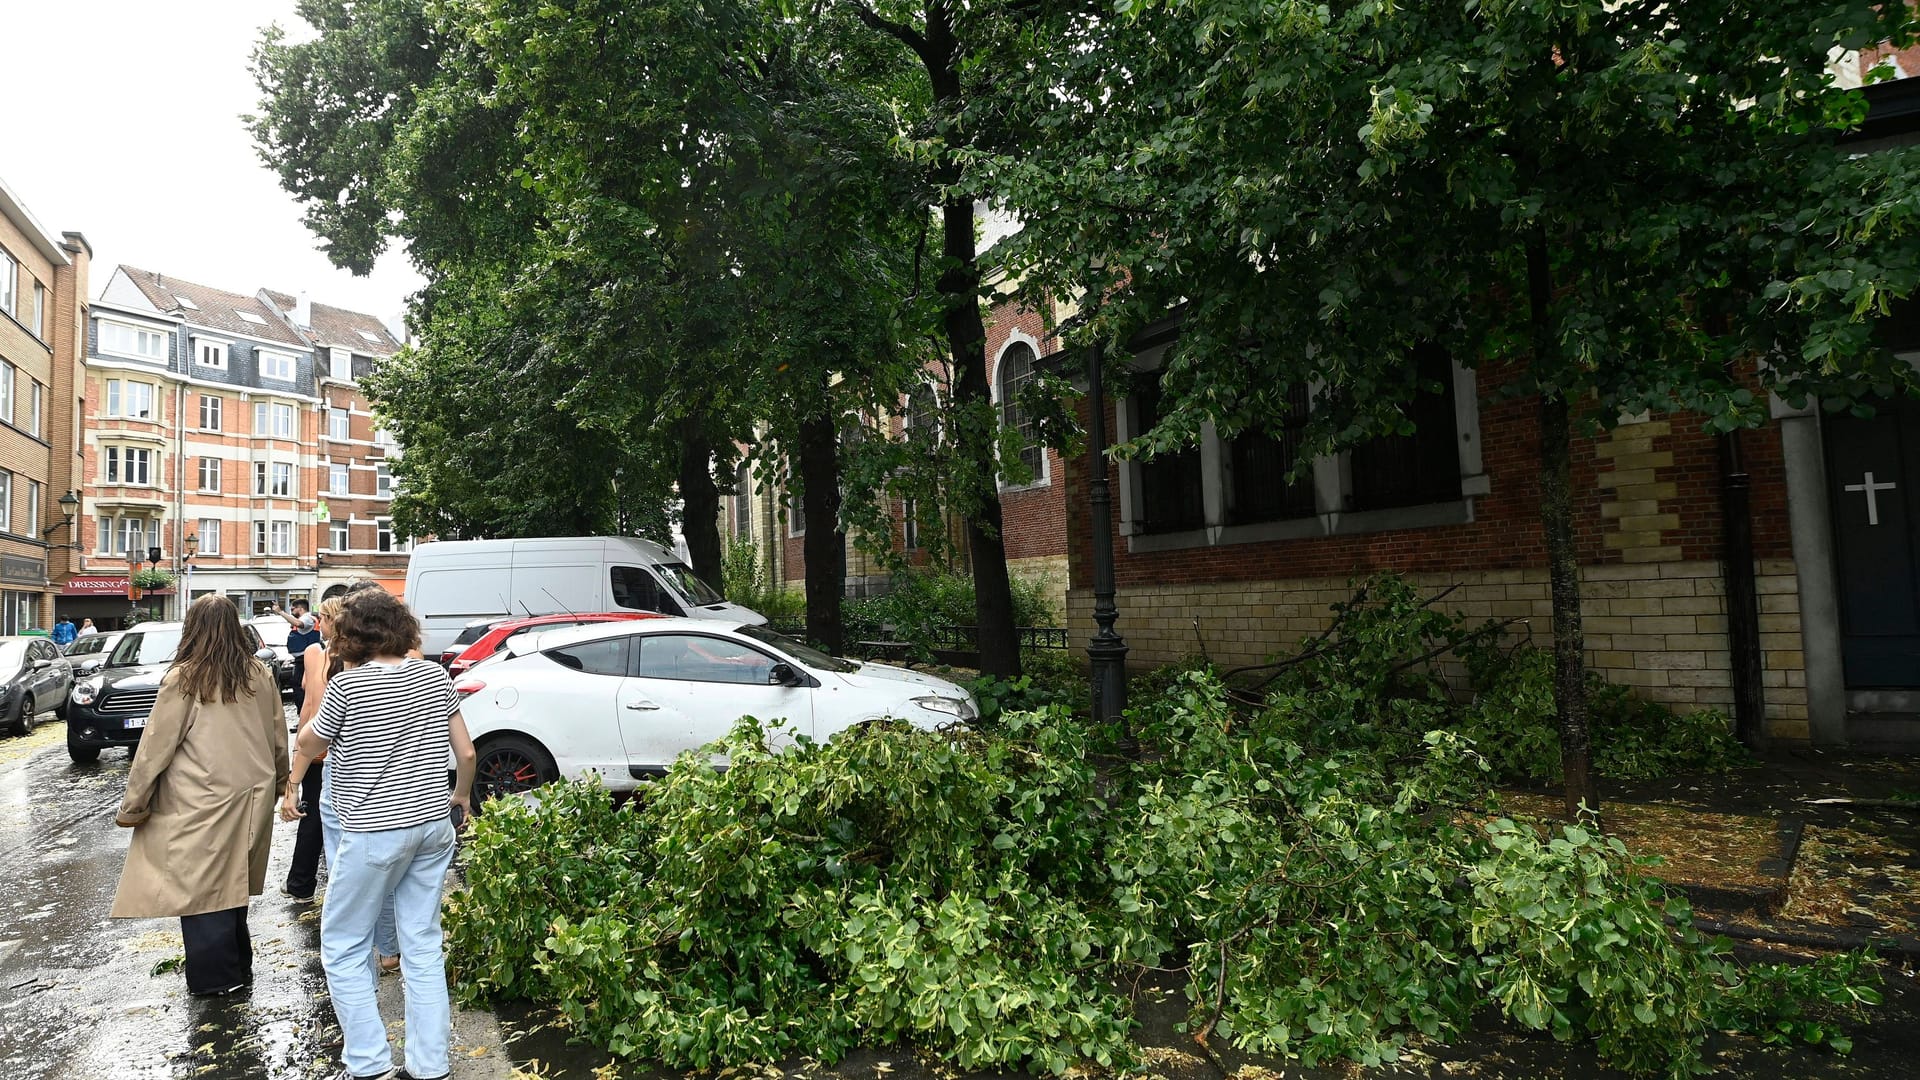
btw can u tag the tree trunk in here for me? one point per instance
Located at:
(1563, 555)
(824, 547)
(700, 510)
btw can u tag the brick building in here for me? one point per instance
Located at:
(1212, 553)
(43, 285)
(202, 422)
(353, 487)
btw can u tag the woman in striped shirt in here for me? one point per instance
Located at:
(387, 722)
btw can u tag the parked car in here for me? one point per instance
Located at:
(451, 583)
(625, 699)
(273, 631)
(111, 706)
(88, 653)
(498, 632)
(34, 677)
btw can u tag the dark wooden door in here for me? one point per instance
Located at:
(1872, 465)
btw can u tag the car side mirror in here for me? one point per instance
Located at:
(264, 653)
(42, 665)
(783, 674)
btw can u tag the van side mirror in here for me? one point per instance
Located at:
(783, 674)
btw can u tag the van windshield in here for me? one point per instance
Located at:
(689, 585)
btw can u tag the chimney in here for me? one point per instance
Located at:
(303, 311)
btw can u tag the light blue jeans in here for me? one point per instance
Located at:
(410, 866)
(386, 941)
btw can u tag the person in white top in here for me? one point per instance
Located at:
(87, 629)
(387, 723)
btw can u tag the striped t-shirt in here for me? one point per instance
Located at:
(387, 765)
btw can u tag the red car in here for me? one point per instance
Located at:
(465, 654)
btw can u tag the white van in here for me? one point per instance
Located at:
(450, 583)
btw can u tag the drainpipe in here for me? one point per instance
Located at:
(1743, 607)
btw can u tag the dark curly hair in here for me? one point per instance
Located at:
(373, 622)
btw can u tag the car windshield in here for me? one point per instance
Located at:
(806, 654)
(682, 578)
(86, 645)
(146, 647)
(12, 654)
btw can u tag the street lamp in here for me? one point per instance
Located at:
(189, 548)
(69, 505)
(1107, 651)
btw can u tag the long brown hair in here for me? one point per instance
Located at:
(215, 661)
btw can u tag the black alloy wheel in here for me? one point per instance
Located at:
(510, 765)
(29, 714)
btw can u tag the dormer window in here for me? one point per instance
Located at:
(251, 317)
(186, 303)
(128, 340)
(274, 365)
(210, 354)
(371, 336)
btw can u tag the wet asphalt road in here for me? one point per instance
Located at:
(82, 996)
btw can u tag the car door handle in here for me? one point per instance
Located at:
(641, 705)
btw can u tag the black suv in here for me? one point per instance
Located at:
(110, 707)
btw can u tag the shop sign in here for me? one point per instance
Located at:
(20, 570)
(103, 585)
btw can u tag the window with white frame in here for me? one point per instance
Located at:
(9, 275)
(383, 535)
(210, 408)
(273, 419)
(276, 365)
(383, 438)
(337, 535)
(128, 399)
(128, 465)
(281, 538)
(37, 404)
(382, 481)
(210, 474)
(6, 501)
(39, 310)
(33, 509)
(259, 538)
(338, 424)
(280, 479)
(340, 364)
(209, 536)
(133, 536)
(8, 373)
(126, 339)
(210, 354)
(1014, 372)
(338, 479)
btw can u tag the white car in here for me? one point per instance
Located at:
(624, 699)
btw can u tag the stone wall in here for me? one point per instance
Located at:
(1659, 628)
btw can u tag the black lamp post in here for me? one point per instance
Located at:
(69, 505)
(1107, 651)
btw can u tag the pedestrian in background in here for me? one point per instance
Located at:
(63, 632)
(200, 797)
(87, 629)
(388, 721)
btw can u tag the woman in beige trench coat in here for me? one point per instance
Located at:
(200, 797)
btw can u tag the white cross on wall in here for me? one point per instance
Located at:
(1873, 502)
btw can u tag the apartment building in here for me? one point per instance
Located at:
(200, 434)
(353, 484)
(43, 285)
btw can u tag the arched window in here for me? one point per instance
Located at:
(1015, 371)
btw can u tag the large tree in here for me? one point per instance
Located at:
(1609, 207)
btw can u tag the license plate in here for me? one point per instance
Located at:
(135, 722)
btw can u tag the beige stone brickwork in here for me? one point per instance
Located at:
(1636, 520)
(1047, 571)
(1658, 626)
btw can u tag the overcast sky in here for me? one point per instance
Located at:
(121, 120)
